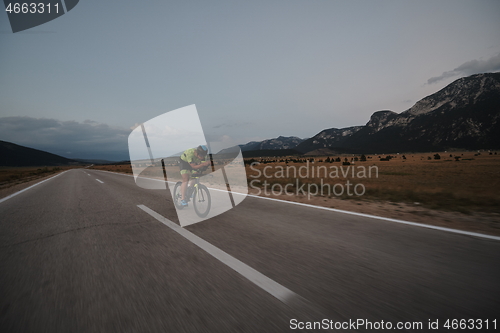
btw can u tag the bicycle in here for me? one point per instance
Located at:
(198, 193)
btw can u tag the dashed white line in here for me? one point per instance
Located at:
(100, 181)
(272, 287)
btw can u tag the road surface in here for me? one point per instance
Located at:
(87, 251)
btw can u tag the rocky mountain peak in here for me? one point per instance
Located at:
(281, 142)
(464, 91)
(380, 118)
(463, 115)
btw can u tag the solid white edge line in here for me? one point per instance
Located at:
(468, 233)
(272, 287)
(415, 224)
(27, 188)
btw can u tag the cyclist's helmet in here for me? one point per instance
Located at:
(202, 149)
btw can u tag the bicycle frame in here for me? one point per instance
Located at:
(190, 189)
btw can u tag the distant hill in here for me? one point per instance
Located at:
(463, 115)
(95, 161)
(281, 142)
(331, 139)
(13, 155)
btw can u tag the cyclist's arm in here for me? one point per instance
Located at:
(201, 165)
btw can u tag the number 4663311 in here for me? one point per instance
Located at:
(31, 8)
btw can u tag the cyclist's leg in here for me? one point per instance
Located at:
(185, 179)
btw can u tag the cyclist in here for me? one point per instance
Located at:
(191, 161)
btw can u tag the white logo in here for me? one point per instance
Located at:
(155, 149)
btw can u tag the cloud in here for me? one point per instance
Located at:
(469, 68)
(71, 139)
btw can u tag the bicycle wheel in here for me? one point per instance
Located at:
(202, 201)
(177, 196)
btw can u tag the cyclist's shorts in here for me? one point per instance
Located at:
(185, 167)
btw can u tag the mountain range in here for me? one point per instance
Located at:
(19, 156)
(463, 115)
(16, 156)
(281, 142)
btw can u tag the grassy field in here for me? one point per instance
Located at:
(470, 182)
(10, 176)
(458, 181)
(124, 168)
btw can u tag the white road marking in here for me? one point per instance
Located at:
(100, 181)
(421, 225)
(468, 233)
(272, 287)
(122, 174)
(43, 181)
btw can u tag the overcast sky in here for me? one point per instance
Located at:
(76, 86)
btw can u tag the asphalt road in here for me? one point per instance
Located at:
(78, 254)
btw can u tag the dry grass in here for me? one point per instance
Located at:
(10, 176)
(123, 168)
(471, 184)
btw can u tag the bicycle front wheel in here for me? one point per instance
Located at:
(202, 201)
(177, 197)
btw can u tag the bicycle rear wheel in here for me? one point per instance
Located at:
(177, 196)
(202, 201)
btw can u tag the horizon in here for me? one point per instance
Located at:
(127, 158)
(77, 89)
(124, 158)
